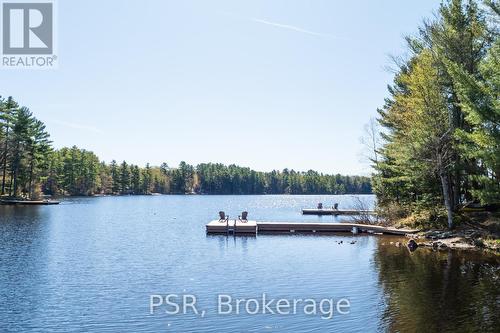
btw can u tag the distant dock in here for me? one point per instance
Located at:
(28, 202)
(254, 227)
(332, 211)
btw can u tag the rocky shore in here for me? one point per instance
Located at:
(461, 239)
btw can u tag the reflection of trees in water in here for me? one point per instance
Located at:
(445, 291)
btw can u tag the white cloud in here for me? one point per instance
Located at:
(280, 25)
(78, 126)
(290, 27)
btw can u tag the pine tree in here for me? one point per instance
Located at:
(115, 177)
(439, 143)
(38, 149)
(7, 109)
(479, 98)
(135, 179)
(124, 172)
(146, 179)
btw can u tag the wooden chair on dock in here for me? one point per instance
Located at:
(222, 217)
(244, 217)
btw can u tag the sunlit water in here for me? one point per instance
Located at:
(91, 264)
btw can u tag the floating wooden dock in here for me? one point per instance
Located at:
(28, 202)
(331, 211)
(232, 226)
(253, 227)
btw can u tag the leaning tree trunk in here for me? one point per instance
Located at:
(446, 194)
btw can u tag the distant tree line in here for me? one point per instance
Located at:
(220, 179)
(440, 136)
(30, 167)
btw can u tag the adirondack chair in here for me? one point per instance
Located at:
(223, 217)
(244, 217)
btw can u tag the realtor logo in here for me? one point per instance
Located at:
(28, 34)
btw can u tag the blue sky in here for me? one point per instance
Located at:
(265, 84)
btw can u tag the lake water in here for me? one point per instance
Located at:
(92, 264)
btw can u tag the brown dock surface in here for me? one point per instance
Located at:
(328, 227)
(331, 211)
(254, 227)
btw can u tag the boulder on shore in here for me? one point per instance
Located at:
(412, 245)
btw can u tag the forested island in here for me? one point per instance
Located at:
(436, 143)
(30, 167)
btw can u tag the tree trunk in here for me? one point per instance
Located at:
(446, 195)
(32, 162)
(457, 189)
(11, 182)
(4, 167)
(14, 176)
(15, 169)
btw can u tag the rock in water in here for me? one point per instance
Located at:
(412, 245)
(443, 246)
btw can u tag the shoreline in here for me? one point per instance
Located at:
(463, 239)
(207, 194)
